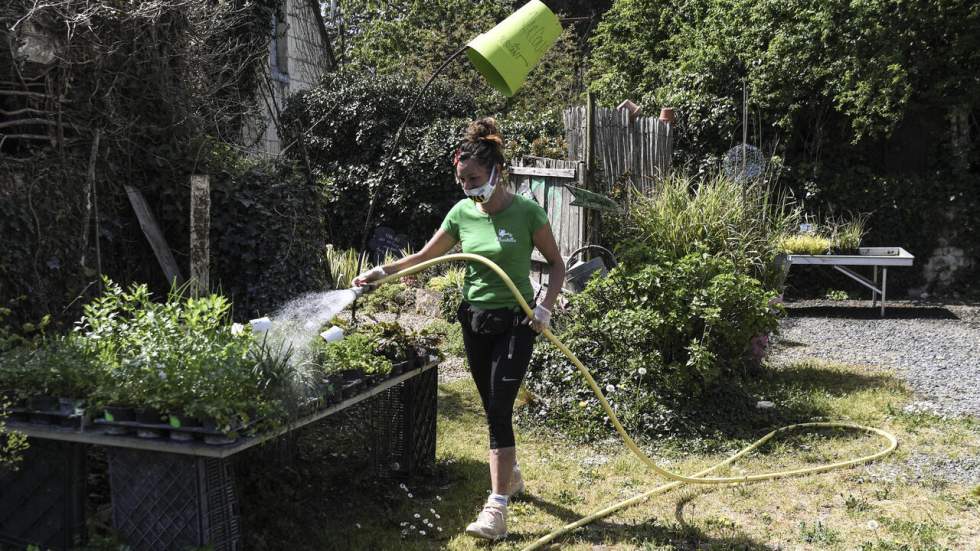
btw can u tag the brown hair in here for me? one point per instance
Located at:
(482, 141)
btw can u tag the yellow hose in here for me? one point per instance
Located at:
(678, 479)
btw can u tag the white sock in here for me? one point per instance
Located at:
(498, 499)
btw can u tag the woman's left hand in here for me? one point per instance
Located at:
(541, 319)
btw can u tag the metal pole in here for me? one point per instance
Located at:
(387, 162)
(874, 294)
(884, 285)
(745, 137)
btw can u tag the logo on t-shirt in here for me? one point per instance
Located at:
(504, 236)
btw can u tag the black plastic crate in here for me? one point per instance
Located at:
(43, 502)
(173, 501)
(404, 426)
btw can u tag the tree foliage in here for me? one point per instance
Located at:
(861, 102)
(415, 38)
(866, 62)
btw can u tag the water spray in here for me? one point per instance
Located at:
(675, 478)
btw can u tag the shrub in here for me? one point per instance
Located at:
(347, 125)
(341, 266)
(388, 297)
(58, 366)
(657, 335)
(744, 223)
(12, 443)
(450, 284)
(837, 295)
(453, 277)
(450, 336)
(389, 338)
(851, 120)
(452, 297)
(348, 122)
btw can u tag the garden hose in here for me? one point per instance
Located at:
(677, 479)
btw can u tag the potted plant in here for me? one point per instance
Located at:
(65, 373)
(179, 363)
(391, 341)
(807, 244)
(15, 381)
(850, 233)
(222, 379)
(52, 378)
(22, 384)
(353, 358)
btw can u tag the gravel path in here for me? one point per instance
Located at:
(934, 347)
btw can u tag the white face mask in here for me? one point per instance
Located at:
(482, 194)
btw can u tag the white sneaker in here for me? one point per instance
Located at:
(491, 524)
(516, 486)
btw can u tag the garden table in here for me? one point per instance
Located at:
(877, 257)
(170, 494)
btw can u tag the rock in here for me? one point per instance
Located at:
(428, 303)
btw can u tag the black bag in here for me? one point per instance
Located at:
(487, 322)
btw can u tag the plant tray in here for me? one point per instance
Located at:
(57, 418)
(190, 434)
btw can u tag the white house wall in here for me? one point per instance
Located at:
(307, 63)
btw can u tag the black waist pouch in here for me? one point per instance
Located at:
(487, 322)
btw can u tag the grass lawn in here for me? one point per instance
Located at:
(904, 502)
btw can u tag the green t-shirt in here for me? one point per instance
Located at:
(506, 239)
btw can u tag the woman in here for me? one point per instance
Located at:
(504, 227)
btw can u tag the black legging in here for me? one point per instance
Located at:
(498, 364)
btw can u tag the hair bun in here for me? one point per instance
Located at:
(482, 140)
(484, 129)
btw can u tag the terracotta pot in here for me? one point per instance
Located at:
(667, 115)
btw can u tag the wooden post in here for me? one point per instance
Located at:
(200, 230)
(148, 223)
(591, 229)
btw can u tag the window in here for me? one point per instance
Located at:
(279, 49)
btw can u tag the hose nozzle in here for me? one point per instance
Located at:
(358, 291)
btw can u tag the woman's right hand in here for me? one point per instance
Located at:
(367, 277)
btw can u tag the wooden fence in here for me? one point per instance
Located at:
(546, 180)
(638, 149)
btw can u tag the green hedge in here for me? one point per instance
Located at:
(268, 233)
(348, 122)
(655, 338)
